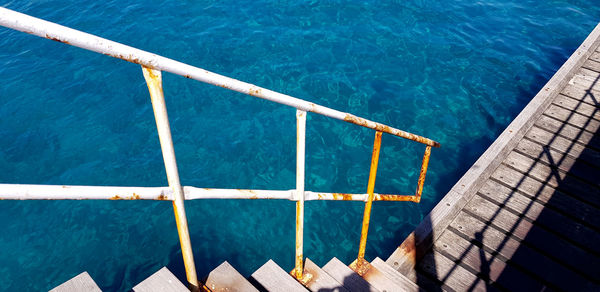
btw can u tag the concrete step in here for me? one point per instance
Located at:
(348, 278)
(226, 278)
(163, 280)
(399, 280)
(81, 282)
(271, 277)
(320, 280)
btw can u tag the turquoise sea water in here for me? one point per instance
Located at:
(455, 71)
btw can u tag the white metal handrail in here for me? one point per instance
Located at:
(152, 65)
(74, 192)
(56, 32)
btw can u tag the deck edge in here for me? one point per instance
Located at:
(421, 239)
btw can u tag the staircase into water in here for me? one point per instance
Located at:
(333, 276)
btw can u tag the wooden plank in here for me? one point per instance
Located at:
(81, 282)
(418, 242)
(547, 195)
(520, 203)
(554, 178)
(400, 280)
(321, 281)
(348, 278)
(591, 64)
(273, 278)
(560, 160)
(573, 118)
(226, 278)
(380, 281)
(563, 145)
(575, 257)
(454, 276)
(586, 79)
(591, 97)
(577, 106)
(521, 255)
(595, 56)
(163, 280)
(569, 231)
(570, 132)
(484, 264)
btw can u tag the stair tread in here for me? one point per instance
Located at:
(273, 278)
(226, 278)
(163, 280)
(348, 278)
(321, 280)
(81, 282)
(400, 280)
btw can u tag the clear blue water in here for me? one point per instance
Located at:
(456, 71)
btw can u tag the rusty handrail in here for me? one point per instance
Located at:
(360, 264)
(72, 192)
(152, 66)
(69, 36)
(154, 82)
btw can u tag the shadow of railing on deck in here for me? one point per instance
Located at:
(547, 264)
(557, 243)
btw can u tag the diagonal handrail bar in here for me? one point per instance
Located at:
(32, 25)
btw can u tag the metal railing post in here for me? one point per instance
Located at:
(360, 264)
(154, 82)
(422, 174)
(300, 168)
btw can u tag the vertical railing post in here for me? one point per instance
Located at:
(154, 82)
(360, 264)
(422, 174)
(298, 272)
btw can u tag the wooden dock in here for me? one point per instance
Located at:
(526, 216)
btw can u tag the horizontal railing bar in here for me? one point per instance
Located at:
(193, 193)
(56, 32)
(63, 192)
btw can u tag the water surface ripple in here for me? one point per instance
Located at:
(455, 71)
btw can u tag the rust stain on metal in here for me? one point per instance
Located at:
(135, 196)
(397, 198)
(56, 39)
(383, 128)
(299, 264)
(360, 266)
(370, 191)
(255, 91)
(342, 197)
(307, 276)
(162, 197)
(115, 197)
(423, 173)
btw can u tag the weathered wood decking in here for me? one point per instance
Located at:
(526, 216)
